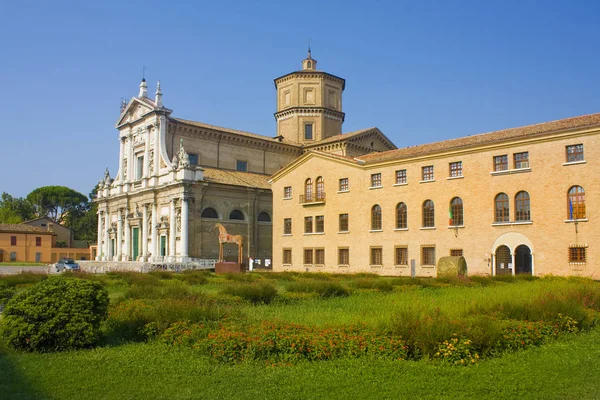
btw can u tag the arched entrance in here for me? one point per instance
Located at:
(503, 261)
(523, 260)
(513, 253)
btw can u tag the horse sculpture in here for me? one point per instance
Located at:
(225, 237)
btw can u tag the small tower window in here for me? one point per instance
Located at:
(308, 132)
(309, 64)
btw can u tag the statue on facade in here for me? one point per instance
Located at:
(184, 158)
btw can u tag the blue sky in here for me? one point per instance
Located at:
(420, 71)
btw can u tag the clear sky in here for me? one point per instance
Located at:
(421, 70)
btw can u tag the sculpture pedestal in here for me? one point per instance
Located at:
(229, 268)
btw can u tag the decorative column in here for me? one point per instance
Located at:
(127, 236)
(172, 231)
(144, 231)
(130, 160)
(157, 149)
(121, 153)
(184, 229)
(105, 235)
(512, 256)
(119, 235)
(155, 250)
(99, 249)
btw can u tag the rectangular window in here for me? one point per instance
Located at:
(376, 256)
(577, 254)
(193, 159)
(400, 177)
(428, 255)
(38, 241)
(287, 192)
(13, 256)
(287, 226)
(501, 163)
(456, 252)
(343, 185)
(287, 256)
(456, 169)
(401, 256)
(376, 180)
(320, 223)
(13, 240)
(427, 173)
(38, 257)
(139, 168)
(320, 256)
(308, 224)
(308, 256)
(241, 166)
(308, 132)
(521, 160)
(343, 256)
(575, 153)
(343, 223)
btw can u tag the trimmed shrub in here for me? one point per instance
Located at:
(256, 293)
(381, 285)
(6, 293)
(323, 288)
(23, 278)
(55, 314)
(245, 277)
(169, 289)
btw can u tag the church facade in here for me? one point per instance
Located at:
(178, 178)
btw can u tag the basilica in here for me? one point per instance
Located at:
(178, 178)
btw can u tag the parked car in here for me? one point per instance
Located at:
(66, 264)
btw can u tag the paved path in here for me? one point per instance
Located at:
(7, 270)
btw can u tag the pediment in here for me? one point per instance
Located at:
(134, 111)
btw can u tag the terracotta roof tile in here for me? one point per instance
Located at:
(234, 131)
(486, 138)
(343, 136)
(236, 178)
(22, 228)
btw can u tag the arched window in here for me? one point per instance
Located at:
(455, 217)
(264, 217)
(308, 190)
(320, 189)
(576, 203)
(237, 215)
(401, 216)
(522, 207)
(428, 214)
(209, 213)
(501, 208)
(376, 218)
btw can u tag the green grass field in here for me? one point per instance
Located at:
(555, 365)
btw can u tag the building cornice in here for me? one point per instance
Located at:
(293, 111)
(310, 74)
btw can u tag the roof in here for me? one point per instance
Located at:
(236, 178)
(228, 130)
(522, 132)
(344, 136)
(313, 72)
(22, 228)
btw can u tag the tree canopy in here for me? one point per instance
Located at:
(56, 202)
(14, 210)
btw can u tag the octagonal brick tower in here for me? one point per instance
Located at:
(309, 104)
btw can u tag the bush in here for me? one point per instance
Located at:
(23, 278)
(261, 292)
(323, 288)
(55, 314)
(381, 285)
(6, 293)
(194, 277)
(173, 289)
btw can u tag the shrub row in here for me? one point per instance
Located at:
(283, 342)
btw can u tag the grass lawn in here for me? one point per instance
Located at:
(498, 316)
(566, 369)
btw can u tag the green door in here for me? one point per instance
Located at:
(163, 246)
(136, 243)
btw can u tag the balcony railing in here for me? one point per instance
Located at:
(318, 198)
